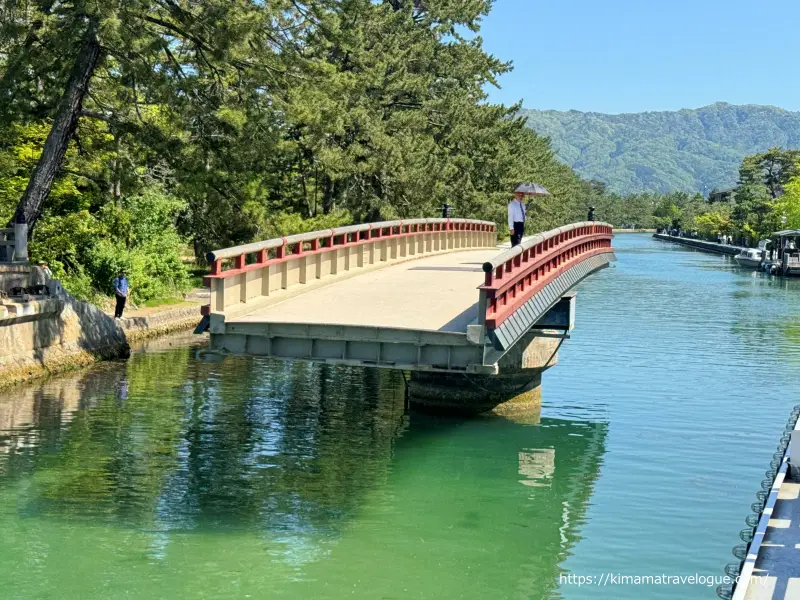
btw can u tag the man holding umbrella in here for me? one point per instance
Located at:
(518, 211)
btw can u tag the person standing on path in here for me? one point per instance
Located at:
(121, 290)
(516, 218)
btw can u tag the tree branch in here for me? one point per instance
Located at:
(200, 43)
(91, 114)
(174, 61)
(98, 180)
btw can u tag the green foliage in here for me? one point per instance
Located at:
(770, 170)
(667, 215)
(788, 205)
(271, 225)
(87, 234)
(87, 250)
(768, 191)
(162, 301)
(63, 242)
(633, 211)
(688, 150)
(20, 148)
(645, 210)
(715, 222)
(217, 122)
(762, 178)
(220, 122)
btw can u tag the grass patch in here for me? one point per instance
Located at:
(162, 301)
(196, 275)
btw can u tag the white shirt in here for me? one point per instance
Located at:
(516, 213)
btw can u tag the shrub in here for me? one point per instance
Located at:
(86, 251)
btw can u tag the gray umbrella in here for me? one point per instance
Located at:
(531, 189)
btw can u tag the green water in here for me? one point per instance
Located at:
(168, 477)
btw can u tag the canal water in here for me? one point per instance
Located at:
(169, 477)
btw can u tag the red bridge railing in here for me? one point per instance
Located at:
(515, 276)
(244, 273)
(326, 240)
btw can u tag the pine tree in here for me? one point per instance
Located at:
(172, 51)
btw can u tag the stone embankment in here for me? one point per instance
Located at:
(40, 335)
(700, 244)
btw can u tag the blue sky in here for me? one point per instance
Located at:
(636, 55)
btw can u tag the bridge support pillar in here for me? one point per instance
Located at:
(516, 388)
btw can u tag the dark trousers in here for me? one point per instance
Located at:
(121, 300)
(519, 231)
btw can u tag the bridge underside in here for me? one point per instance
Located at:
(413, 315)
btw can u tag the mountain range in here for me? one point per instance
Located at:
(694, 150)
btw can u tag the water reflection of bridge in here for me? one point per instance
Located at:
(319, 466)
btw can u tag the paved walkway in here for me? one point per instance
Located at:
(398, 296)
(196, 297)
(777, 572)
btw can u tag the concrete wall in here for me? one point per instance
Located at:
(160, 323)
(15, 276)
(700, 244)
(58, 333)
(54, 334)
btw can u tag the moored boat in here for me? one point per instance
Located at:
(750, 258)
(784, 257)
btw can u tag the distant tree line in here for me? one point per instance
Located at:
(766, 199)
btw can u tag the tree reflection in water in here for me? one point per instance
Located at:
(321, 464)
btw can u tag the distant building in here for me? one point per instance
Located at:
(721, 195)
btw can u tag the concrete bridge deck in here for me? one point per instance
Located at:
(398, 296)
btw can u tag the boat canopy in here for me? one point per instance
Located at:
(786, 232)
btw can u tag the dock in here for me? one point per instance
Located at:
(700, 244)
(770, 568)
